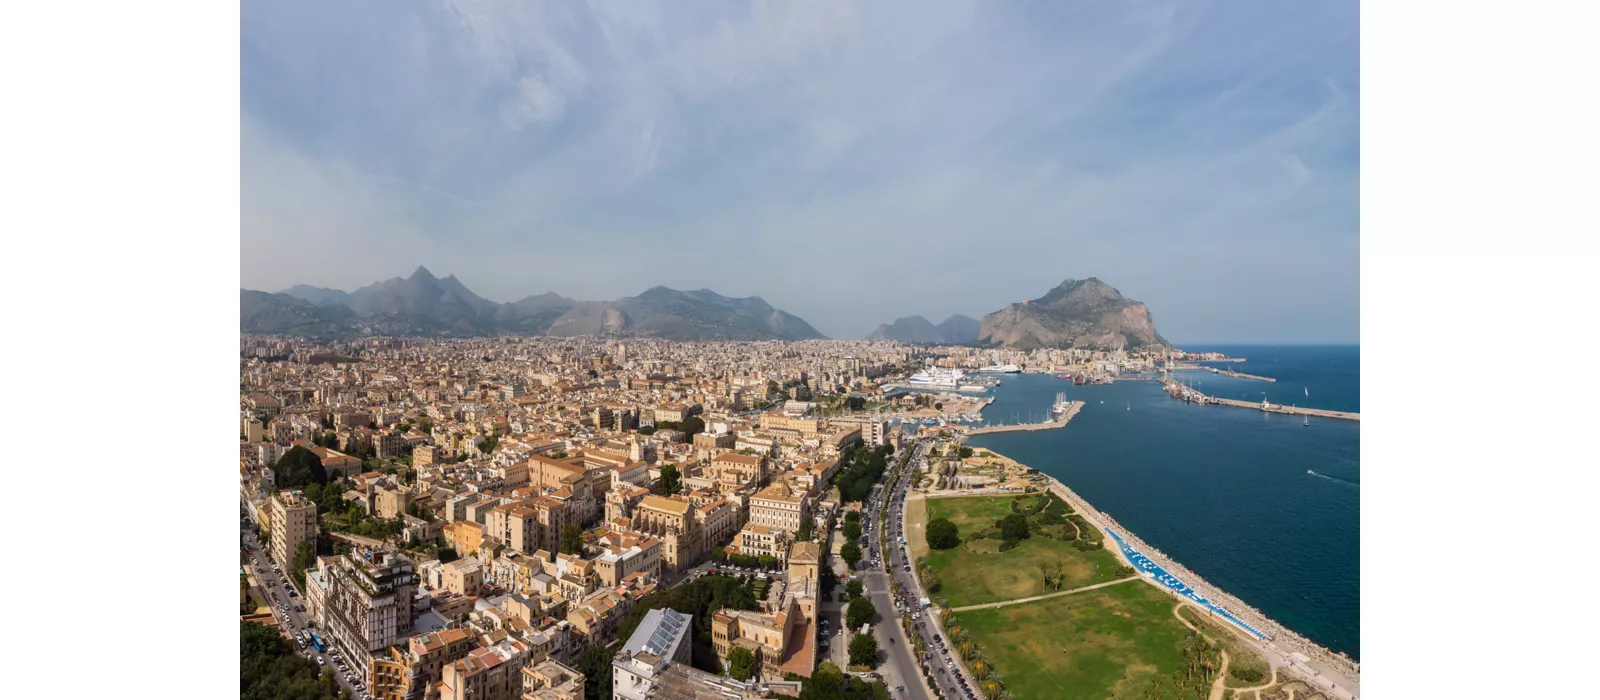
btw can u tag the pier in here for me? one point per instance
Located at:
(1187, 394)
(1066, 417)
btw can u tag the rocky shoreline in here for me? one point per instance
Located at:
(1281, 637)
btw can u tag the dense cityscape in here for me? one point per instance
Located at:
(582, 517)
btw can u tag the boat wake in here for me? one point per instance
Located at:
(1332, 478)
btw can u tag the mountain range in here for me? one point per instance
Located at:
(423, 304)
(956, 330)
(1076, 313)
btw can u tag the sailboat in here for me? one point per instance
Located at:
(1130, 405)
(1308, 391)
(1306, 420)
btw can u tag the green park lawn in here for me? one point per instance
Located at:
(976, 572)
(1112, 642)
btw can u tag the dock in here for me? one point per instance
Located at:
(1188, 394)
(1066, 417)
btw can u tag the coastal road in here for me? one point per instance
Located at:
(891, 581)
(949, 676)
(900, 667)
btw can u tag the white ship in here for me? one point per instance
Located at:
(937, 378)
(1001, 369)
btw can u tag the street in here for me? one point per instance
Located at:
(890, 580)
(287, 610)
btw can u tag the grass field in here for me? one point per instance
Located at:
(977, 572)
(1242, 658)
(1112, 642)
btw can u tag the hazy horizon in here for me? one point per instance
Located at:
(850, 163)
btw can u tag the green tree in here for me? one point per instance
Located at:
(851, 553)
(853, 588)
(719, 556)
(692, 426)
(305, 557)
(270, 669)
(856, 403)
(299, 467)
(647, 430)
(489, 443)
(805, 533)
(572, 539)
(852, 530)
(859, 612)
(595, 664)
(1013, 527)
(741, 663)
(768, 561)
(671, 480)
(943, 534)
(863, 650)
(964, 452)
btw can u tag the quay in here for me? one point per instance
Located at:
(1179, 391)
(1066, 417)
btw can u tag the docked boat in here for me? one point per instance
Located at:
(938, 378)
(1061, 403)
(1001, 369)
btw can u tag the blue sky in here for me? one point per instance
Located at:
(850, 162)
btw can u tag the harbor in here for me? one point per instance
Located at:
(1064, 417)
(1189, 395)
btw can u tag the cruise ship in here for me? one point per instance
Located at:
(1001, 369)
(937, 378)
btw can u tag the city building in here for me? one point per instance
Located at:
(294, 520)
(663, 637)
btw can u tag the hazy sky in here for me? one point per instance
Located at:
(850, 162)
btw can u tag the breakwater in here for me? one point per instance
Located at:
(1066, 417)
(1191, 395)
(1320, 664)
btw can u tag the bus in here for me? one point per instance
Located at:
(316, 641)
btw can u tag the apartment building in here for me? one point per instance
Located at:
(462, 576)
(551, 680)
(731, 470)
(368, 602)
(489, 673)
(294, 520)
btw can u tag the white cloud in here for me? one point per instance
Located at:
(738, 145)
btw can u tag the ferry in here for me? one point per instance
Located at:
(1001, 369)
(1067, 377)
(938, 378)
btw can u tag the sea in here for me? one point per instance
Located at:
(1257, 504)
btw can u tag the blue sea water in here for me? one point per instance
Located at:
(1224, 491)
